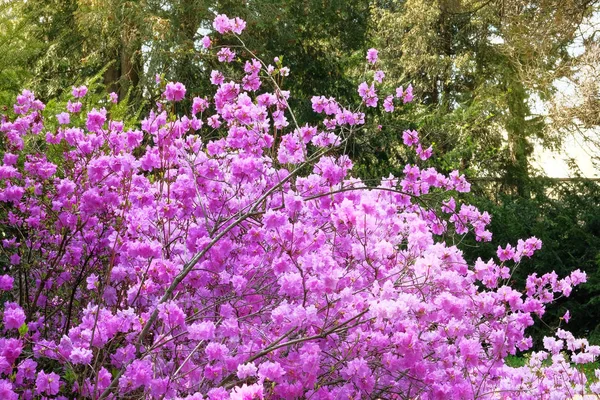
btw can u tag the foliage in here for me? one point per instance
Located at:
(228, 253)
(565, 216)
(478, 68)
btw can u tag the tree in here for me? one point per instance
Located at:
(477, 66)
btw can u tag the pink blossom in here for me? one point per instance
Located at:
(74, 107)
(206, 42)
(174, 91)
(223, 24)
(80, 91)
(226, 55)
(48, 384)
(372, 56)
(6, 282)
(388, 104)
(63, 118)
(410, 137)
(14, 316)
(202, 331)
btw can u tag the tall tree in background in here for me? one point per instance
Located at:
(477, 66)
(135, 40)
(17, 47)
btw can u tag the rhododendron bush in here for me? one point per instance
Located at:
(228, 253)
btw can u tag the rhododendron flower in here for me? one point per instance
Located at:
(246, 370)
(226, 55)
(238, 25)
(407, 97)
(199, 105)
(216, 77)
(388, 103)
(63, 118)
(96, 119)
(505, 254)
(410, 137)
(246, 392)
(174, 91)
(271, 371)
(6, 282)
(222, 24)
(74, 107)
(368, 94)
(424, 154)
(92, 282)
(206, 42)
(48, 384)
(114, 98)
(81, 356)
(15, 259)
(80, 91)
(202, 331)
(14, 316)
(6, 391)
(372, 56)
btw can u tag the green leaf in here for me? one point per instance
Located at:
(23, 329)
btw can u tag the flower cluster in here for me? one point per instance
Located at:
(152, 262)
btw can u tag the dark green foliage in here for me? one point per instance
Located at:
(565, 215)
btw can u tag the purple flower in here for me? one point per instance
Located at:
(14, 316)
(175, 91)
(92, 282)
(410, 137)
(271, 371)
(47, 383)
(80, 356)
(6, 282)
(226, 55)
(388, 103)
(73, 107)
(202, 331)
(408, 95)
(95, 119)
(216, 77)
(372, 56)
(368, 94)
(63, 118)
(237, 25)
(15, 259)
(222, 24)
(80, 91)
(206, 42)
(199, 105)
(6, 391)
(505, 254)
(246, 370)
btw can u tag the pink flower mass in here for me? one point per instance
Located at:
(232, 254)
(175, 91)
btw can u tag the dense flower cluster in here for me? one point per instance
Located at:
(152, 263)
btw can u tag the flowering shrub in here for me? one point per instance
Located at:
(157, 263)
